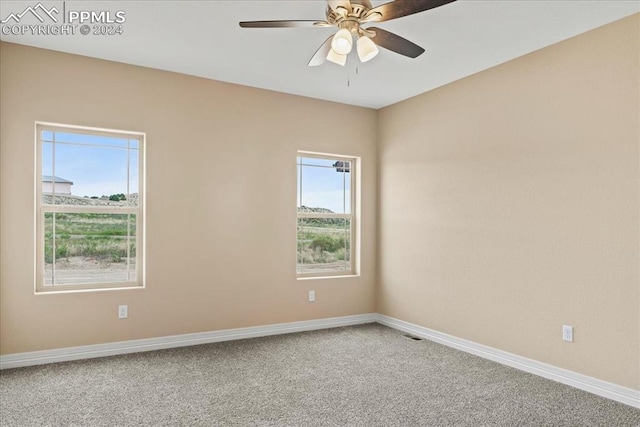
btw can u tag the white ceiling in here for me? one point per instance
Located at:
(202, 38)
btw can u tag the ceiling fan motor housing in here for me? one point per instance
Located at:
(350, 20)
(357, 12)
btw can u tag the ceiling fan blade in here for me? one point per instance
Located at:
(321, 54)
(278, 24)
(400, 8)
(396, 43)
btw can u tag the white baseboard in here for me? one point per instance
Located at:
(592, 385)
(123, 347)
(582, 382)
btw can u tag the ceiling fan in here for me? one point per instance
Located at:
(350, 17)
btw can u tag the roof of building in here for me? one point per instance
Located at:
(49, 178)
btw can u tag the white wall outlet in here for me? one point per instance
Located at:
(123, 311)
(567, 333)
(312, 296)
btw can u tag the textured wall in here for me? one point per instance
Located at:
(221, 197)
(509, 206)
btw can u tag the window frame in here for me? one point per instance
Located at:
(42, 209)
(352, 216)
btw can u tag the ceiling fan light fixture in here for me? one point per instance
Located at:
(342, 42)
(336, 58)
(367, 49)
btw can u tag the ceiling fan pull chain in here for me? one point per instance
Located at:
(349, 77)
(352, 65)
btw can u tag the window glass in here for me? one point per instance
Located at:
(90, 213)
(325, 216)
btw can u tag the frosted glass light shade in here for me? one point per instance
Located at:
(336, 58)
(342, 42)
(367, 49)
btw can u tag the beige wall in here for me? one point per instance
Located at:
(220, 255)
(509, 206)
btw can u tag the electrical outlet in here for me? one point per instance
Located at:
(312, 296)
(123, 311)
(567, 333)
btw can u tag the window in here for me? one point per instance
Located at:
(89, 210)
(326, 220)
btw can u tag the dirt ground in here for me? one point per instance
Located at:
(74, 270)
(329, 267)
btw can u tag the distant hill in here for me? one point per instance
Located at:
(320, 222)
(67, 199)
(306, 209)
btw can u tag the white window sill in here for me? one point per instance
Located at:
(342, 276)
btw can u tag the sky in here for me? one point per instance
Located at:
(96, 169)
(97, 166)
(323, 186)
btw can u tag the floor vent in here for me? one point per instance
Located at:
(413, 338)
